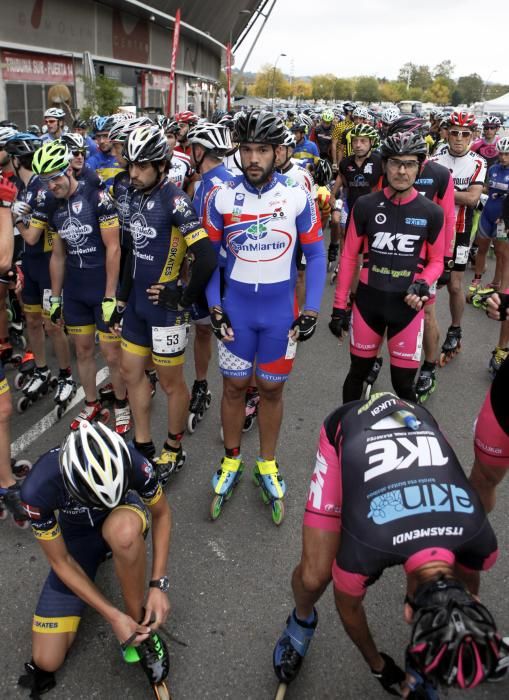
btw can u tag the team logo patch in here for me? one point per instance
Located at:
(239, 199)
(32, 512)
(150, 205)
(77, 207)
(179, 205)
(380, 218)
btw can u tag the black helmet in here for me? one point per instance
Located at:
(217, 116)
(405, 123)
(323, 172)
(404, 144)
(80, 124)
(259, 126)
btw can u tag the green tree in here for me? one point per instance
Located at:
(344, 89)
(469, 88)
(269, 82)
(103, 96)
(406, 72)
(301, 89)
(322, 86)
(444, 69)
(421, 77)
(439, 92)
(367, 89)
(392, 91)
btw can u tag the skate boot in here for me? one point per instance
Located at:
(497, 357)
(12, 503)
(273, 488)
(223, 483)
(151, 375)
(332, 255)
(122, 414)
(474, 287)
(39, 384)
(292, 646)
(481, 296)
(7, 356)
(36, 680)
(426, 384)
(200, 402)
(152, 654)
(252, 401)
(20, 468)
(451, 345)
(172, 459)
(66, 390)
(25, 369)
(92, 411)
(106, 394)
(373, 376)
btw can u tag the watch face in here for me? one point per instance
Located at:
(164, 584)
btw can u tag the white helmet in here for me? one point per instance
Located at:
(75, 142)
(361, 112)
(147, 143)
(54, 113)
(213, 137)
(390, 114)
(503, 144)
(289, 140)
(6, 133)
(96, 466)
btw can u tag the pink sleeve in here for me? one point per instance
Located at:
(349, 261)
(447, 204)
(434, 259)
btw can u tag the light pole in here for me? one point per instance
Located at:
(485, 85)
(274, 78)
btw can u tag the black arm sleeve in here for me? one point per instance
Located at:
(126, 281)
(204, 264)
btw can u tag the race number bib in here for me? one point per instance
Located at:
(45, 300)
(291, 349)
(169, 340)
(462, 255)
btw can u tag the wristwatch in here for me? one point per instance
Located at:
(162, 583)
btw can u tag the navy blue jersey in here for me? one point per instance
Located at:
(43, 494)
(498, 189)
(90, 177)
(121, 192)
(43, 201)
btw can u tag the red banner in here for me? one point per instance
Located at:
(229, 75)
(174, 51)
(37, 68)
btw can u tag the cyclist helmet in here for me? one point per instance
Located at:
(217, 116)
(465, 119)
(366, 131)
(104, 124)
(122, 129)
(289, 139)
(186, 118)
(492, 120)
(349, 107)
(34, 129)
(6, 133)
(147, 143)
(75, 142)
(503, 144)
(23, 144)
(454, 638)
(213, 137)
(361, 113)
(389, 115)
(327, 116)
(435, 113)
(322, 174)
(403, 144)
(259, 126)
(406, 123)
(96, 466)
(80, 124)
(51, 157)
(54, 113)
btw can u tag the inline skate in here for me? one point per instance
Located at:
(25, 369)
(20, 468)
(291, 648)
(7, 354)
(10, 502)
(153, 656)
(106, 394)
(451, 345)
(40, 382)
(223, 483)
(273, 488)
(65, 392)
(200, 402)
(474, 287)
(332, 256)
(497, 357)
(171, 460)
(426, 383)
(481, 296)
(92, 411)
(372, 376)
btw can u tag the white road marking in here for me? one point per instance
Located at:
(217, 549)
(50, 419)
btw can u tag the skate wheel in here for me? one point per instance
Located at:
(248, 424)
(161, 691)
(278, 512)
(368, 390)
(22, 404)
(19, 380)
(20, 468)
(265, 496)
(53, 383)
(22, 342)
(281, 691)
(191, 423)
(443, 359)
(216, 507)
(60, 411)
(208, 401)
(16, 360)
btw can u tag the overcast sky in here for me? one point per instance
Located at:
(373, 37)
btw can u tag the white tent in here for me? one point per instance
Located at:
(499, 104)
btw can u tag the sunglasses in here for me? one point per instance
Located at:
(490, 128)
(50, 121)
(457, 134)
(78, 152)
(407, 164)
(48, 178)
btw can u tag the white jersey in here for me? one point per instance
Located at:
(296, 173)
(232, 163)
(466, 170)
(180, 168)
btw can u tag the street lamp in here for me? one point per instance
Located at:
(274, 79)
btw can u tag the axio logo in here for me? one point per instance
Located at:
(402, 242)
(402, 453)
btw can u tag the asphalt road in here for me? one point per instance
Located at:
(230, 580)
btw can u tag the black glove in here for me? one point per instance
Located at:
(117, 315)
(420, 288)
(390, 676)
(170, 298)
(305, 326)
(340, 322)
(219, 321)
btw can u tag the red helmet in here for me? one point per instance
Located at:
(466, 119)
(186, 118)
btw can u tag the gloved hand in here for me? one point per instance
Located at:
(20, 210)
(55, 309)
(8, 192)
(420, 288)
(108, 306)
(117, 315)
(220, 322)
(303, 327)
(171, 298)
(340, 322)
(391, 676)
